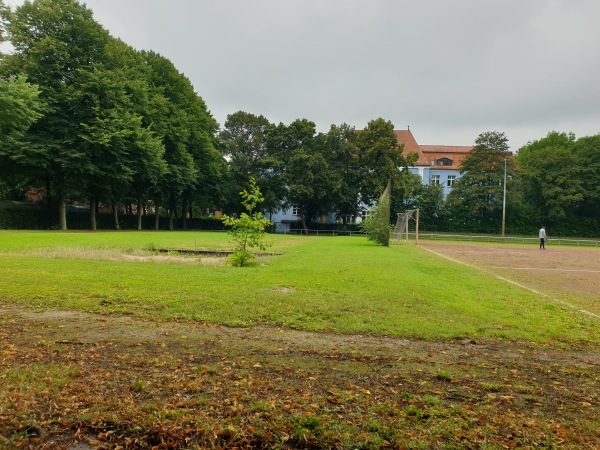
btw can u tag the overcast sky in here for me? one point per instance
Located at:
(448, 69)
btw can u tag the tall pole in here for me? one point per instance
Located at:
(504, 203)
(417, 229)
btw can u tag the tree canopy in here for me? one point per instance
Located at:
(480, 189)
(126, 123)
(86, 118)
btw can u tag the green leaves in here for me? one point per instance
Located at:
(248, 231)
(19, 105)
(115, 123)
(377, 226)
(553, 175)
(480, 189)
(382, 159)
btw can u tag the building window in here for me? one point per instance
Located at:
(296, 211)
(451, 180)
(444, 162)
(435, 179)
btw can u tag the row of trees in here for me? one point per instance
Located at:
(316, 172)
(554, 181)
(89, 118)
(86, 117)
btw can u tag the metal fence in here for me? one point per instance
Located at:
(508, 239)
(578, 242)
(322, 232)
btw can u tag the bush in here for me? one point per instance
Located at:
(377, 227)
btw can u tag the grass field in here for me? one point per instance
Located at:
(333, 343)
(336, 284)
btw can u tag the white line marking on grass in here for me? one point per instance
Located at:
(549, 270)
(522, 286)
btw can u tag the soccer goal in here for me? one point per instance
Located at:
(407, 227)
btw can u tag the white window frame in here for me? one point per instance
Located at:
(435, 179)
(451, 180)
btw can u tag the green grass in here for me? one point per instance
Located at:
(339, 284)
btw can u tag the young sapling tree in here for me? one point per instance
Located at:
(248, 231)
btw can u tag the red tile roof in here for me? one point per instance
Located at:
(406, 138)
(429, 154)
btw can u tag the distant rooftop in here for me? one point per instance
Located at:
(433, 156)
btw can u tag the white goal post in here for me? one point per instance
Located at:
(407, 224)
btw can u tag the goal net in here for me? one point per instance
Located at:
(407, 227)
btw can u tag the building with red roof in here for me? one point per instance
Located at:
(436, 164)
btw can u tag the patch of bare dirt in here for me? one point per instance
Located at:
(568, 274)
(203, 261)
(77, 380)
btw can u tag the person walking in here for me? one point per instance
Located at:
(543, 238)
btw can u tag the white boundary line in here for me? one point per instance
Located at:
(522, 286)
(541, 269)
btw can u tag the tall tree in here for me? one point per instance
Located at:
(4, 15)
(382, 159)
(245, 146)
(186, 127)
(146, 150)
(429, 198)
(307, 173)
(552, 175)
(345, 170)
(209, 192)
(123, 152)
(480, 189)
(587, 154)
(309, 184)
(56, 43)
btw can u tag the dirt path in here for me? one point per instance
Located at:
(107, 381)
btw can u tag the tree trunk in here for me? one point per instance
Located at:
(156, 217)
(171, 218)
(139, 213)
(62, 212)
(184, 202)
(48, 194)
(304, 223)
(116, 215)
(93, 204)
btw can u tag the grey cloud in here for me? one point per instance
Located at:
(451, 70)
